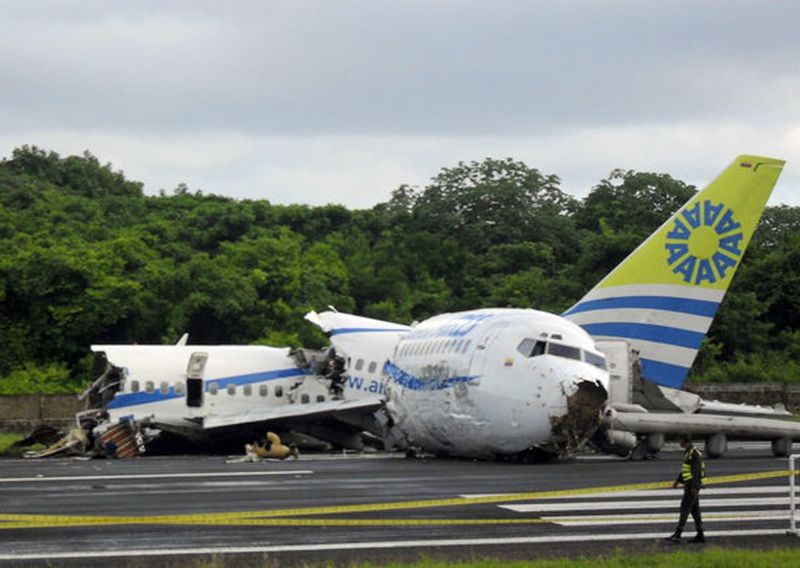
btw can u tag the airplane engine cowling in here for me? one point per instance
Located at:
(621, 439)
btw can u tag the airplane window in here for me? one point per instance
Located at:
(526, 347)
(466, 346)
(531, 347)
(134, 386)
(359, 364)
(247, 390)
(212, 388)
(164, 388)
(305, 399)
(372, 366)
(594, 359)
(148, 386)
(231, 389)
(279, 391)
(179, 387)
(262, 390)
(452, 345)
(320, 398)
(566, 351)
(459, 345)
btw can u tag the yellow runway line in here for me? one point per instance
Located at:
(285, 517)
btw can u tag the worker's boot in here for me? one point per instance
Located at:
(675, 537)
(699, 537)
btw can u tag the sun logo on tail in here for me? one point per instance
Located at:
(704, 243)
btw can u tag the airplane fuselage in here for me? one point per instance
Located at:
(495, 382)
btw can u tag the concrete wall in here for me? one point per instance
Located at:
(22, 413)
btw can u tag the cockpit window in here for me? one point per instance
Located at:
(532, 347)
(566, 351)
(594, 359)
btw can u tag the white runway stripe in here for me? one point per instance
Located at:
(371, 545)
(765, 490)
(650, 518)
(641, 504)
(155, 476)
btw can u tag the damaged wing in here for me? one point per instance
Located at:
(319, 410)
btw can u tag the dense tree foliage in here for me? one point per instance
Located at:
(86, 257)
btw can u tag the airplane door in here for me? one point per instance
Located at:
(194, 379)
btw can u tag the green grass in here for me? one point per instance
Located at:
(693, 558)
(687, 557)
(7, 439)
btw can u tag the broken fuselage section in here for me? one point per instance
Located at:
(189, 397)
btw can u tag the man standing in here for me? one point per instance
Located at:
(691, 477)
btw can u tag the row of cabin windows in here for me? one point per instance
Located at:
(370, 369)
(433, 347)
(536, 347)
(213, 389)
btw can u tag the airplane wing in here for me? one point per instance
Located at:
(701, 425)
(350, 334)
(318, 410)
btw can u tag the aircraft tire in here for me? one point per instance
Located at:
(781, 447)
(716, 445)
(655, 442)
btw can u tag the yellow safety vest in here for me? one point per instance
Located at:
(686, 468)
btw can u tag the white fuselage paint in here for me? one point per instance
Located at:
(459, 384)
(237, 379)
(470, 391)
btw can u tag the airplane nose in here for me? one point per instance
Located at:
(585, 402)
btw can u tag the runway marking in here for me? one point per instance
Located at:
(636, 519)
(288, 548)
(13, 521)
(765, 489)
(653, 504)
(155, 476)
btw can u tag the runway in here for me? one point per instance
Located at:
(371, 507)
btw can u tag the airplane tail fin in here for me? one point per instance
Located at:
(664, 295)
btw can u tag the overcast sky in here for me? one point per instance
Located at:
(342, 101)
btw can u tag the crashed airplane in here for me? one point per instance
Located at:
(486, 383)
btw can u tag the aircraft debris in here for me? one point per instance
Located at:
(269, 448)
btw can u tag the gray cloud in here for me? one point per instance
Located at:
(342, 101)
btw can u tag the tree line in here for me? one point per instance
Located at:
(86, 257)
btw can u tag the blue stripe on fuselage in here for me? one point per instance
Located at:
(135, 398)
(409, 381)
(682, 305)
(344, 330)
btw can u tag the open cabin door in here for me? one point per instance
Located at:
(194, 379)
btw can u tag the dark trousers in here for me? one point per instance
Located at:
(690, 504)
